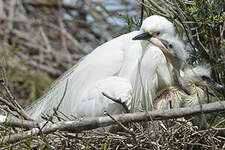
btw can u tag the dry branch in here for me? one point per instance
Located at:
(117, 101)
(96, 122)
(14, 108)
(11, 102)
(13, 122)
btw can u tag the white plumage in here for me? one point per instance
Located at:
(142, 64)
(94, 101)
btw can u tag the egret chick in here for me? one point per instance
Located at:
(193, 80)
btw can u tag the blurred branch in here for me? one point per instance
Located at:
(142, 11)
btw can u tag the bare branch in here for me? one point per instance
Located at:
(96, 122)
(14, 108)
(117, 101)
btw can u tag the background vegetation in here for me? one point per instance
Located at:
(41, 39)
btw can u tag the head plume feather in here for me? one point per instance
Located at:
(196, 72)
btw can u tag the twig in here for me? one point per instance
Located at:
(14, 108)
(57, 108)
(64, 93)
(125, 128)
(155, 5)
(187, 32)
(11, 14)
(198, 144)
(117, 101)
(142, 11)
(63, 31)
(13, 105)
(46, 40)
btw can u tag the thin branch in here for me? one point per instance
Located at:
(117, 101)
(142, 11)
(64, 93)
(61, 100)
(12, 103)
(96, 122)
(14, 108)
(63, 31)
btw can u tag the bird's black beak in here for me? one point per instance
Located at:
(211, 83)
(143, 36)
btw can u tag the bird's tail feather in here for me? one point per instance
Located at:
(50, 99)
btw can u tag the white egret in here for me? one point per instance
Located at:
(120, 88)
(140, 62)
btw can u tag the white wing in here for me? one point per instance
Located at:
(94, 103)
(106, 60)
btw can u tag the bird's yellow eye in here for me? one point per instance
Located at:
(154, 33)
(151, 32)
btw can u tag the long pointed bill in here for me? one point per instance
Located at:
(143, 36)
(148, 36)
(164, 46)
(213, 84)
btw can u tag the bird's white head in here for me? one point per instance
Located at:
(174, 49)
(198, 75)
(155, 26)
(177, 48)
(158, 26)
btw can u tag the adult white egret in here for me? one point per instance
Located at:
(137, 60)
(94, 103)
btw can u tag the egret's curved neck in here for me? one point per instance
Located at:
(180, 82)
